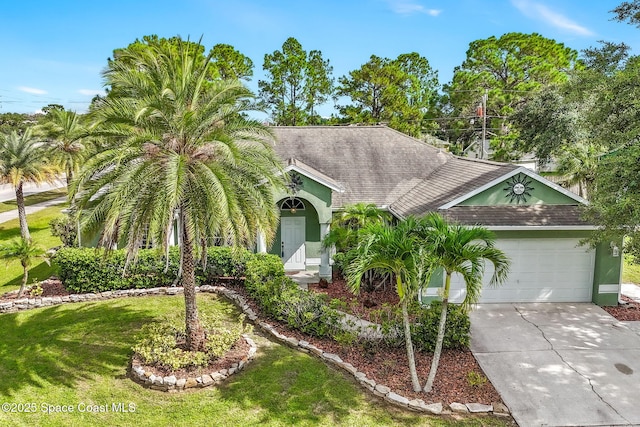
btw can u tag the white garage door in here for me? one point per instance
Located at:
(542, 270)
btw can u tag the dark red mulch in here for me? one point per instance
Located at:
(389, 366)
(235, 355)
(625, 312)
(362, 304)
(51, 287)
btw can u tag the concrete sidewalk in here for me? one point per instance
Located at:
(11, 215)
(559, 364)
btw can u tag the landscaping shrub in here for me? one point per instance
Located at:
(282, 299)
(159, 343)
(91, 270)
(425, 328)
(66, 229)
(84, 270)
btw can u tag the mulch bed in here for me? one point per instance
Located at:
(234, 355)
(385, 365)
(389, 366)
(51, 287)
(625, 312)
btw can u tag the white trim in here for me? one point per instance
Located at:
(514, 172)
(313, 261)
(608, 289)
(316, 178)
(540, 227)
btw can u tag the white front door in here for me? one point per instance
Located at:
(292, 248)
(542, 270)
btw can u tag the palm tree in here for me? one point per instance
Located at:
(578, 164)
(66, 132)
(345, 224)
(24, 159)
(182, 149)
(24, 250)
(464, 250)
(395, 250)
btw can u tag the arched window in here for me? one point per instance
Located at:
(292, 204)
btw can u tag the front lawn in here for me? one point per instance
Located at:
(33, 199)
(630, 271)
(76, 355)
(11, 272)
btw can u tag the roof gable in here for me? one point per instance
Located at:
(371, 164)
(520, 186)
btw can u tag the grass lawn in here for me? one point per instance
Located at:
(11, 272)
(77, 354)
(630, 271)
(33, 199)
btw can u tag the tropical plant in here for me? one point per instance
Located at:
(459, 249)
(67, 139)
(345, 224)
(182, 153)
(397, 251)
(24, 250)
(24, 159)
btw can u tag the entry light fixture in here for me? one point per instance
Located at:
(615, 250)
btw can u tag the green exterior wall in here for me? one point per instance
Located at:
(608, 271)
(497, 195)
(317, 200)
(312, 229)
(607, 268)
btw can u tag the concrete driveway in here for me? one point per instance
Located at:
(560, 364)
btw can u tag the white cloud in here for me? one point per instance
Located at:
(543, 13)
(408, 7)
(90, 92)
(32, 90)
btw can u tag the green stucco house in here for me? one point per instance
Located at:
(537, 222)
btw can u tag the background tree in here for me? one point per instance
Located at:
(628, 11)
(24, 250)
(67, 135)
(401, 92)
(509, 69)
(230, 63)
(463, 250)
(180, 148)
(23, 158)
(565, 121)
(296, 84)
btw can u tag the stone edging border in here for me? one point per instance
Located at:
(380, 390)
(173, 384)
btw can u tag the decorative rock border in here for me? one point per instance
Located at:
(163, 383)
(173, 384)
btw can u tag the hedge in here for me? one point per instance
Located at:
(83, 270)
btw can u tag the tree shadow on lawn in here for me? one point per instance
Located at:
(39, 272)
(63, 345)
(291, 388)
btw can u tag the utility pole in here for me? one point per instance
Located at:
(484, 123)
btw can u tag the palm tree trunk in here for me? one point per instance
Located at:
(25, 278)
(22, 214)
(194, 331)
(440, 339)
(415, 382)
(69, 177)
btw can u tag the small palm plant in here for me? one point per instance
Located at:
(394, 250)
(459, 249)
(24, 250)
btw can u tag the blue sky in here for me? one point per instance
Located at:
(54, 51)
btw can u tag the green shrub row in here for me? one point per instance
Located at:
(424, 330)
(83, 270)
(282, 299)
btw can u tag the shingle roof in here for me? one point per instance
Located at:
(509, 215)
(374, 164)
(455, 178)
